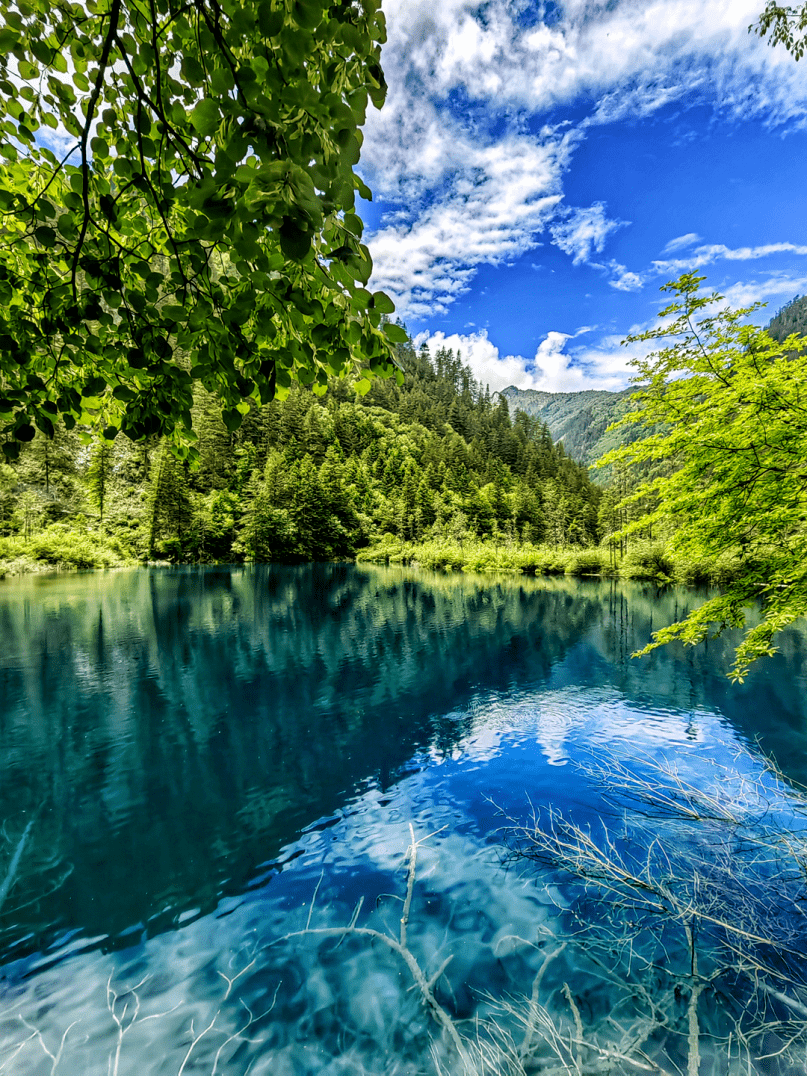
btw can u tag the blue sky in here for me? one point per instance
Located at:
(539, 171)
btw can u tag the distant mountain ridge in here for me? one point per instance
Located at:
(577, 419)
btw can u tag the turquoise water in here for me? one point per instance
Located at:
(189, 756)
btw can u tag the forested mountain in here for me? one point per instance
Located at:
(315, 476)
(577, 419)
(792, 318)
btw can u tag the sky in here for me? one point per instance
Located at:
(540, 170)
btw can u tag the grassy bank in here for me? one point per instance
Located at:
(61, 547)
(644, 560)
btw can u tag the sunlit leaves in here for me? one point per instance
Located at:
(722, 407)
(201, 219)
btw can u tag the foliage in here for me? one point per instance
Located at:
(651, 561)
(178, 197)
(786, 26)
(648, 560)
(723, 404)
(59, 546)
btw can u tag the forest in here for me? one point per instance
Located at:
(305, 478)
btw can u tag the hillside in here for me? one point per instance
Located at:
(579, 420)
(305, 478)
(576, 419)
(792, 318)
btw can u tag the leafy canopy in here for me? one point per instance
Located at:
(725, 410)
(786, 26)
(177, 199)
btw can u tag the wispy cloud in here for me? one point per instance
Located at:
(681, 242)
(582, 232)
(623, 279)
(779, 286)
(713, 252)
(486, 214)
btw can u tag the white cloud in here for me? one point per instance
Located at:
(482, 355)
(681, 242)
(706, 255)
(782, 286)
(488, 213)
(582, 232)
(630, 56)
(453, 149)
(623, 279)
(554, 367)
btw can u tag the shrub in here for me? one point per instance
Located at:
(647, 560)
(57, 546)
(588, 562)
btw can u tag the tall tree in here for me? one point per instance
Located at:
(99, 473)
(198, 225)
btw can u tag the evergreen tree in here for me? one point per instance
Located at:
(99, 473)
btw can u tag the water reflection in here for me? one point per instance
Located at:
(171, 732)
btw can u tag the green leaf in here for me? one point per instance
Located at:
(206, 117)
(43, 52)
(232, 419)
(353, 224)
(66, 226)
(8, 39)
(294, 242)
(221, 80)
(270, 18)
(44, 424)
(396, 333)
(45, 236)
(363, 386)
(94, 387)
(363, 189)
(383, 303)
(26, 432)
(306, 13)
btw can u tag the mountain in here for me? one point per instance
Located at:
(792, 318)
(577, 419)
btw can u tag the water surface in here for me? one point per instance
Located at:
(188, 755)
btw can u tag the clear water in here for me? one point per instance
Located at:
(189, 757)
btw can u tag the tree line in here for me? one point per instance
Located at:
(316, 476)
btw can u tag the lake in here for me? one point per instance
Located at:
(212, 779)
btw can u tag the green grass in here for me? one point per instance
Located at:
(644, 560)
(58, 546)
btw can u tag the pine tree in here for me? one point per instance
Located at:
(99, 473)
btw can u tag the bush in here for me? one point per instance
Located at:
(58, 546)
(647, 560)
(589, 562)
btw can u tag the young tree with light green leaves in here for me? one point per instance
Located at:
(725, 408)
(177, 197)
